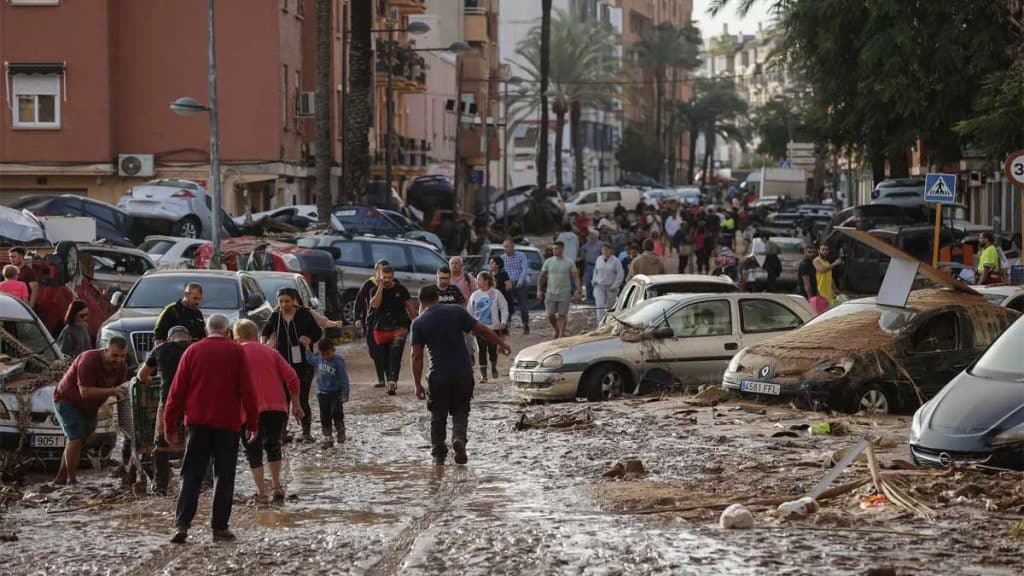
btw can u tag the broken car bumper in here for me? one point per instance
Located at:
(538, 385)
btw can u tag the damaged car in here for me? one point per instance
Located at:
(687, 338)
(643, 286)
(866, 356)
(978, 418)
(31, 365)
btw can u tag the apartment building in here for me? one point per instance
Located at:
(87, 84)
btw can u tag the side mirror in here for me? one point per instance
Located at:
(254, 301)
(117, 299)
(664, 332)
(314, 302)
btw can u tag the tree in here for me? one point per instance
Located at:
(778, 122)
(543, 69)
(665, 48)
(720, 109)
(582, 72)
(639, 152)
(360, 115)
(323, 111)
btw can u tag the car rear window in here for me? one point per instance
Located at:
(157, 247)
(159, 291)
(690, 288)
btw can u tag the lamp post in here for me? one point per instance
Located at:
(187, 106)
(513, 80)
(417, 27)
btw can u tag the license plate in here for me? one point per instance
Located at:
(46, 442)
(520, 376)
(760, 387)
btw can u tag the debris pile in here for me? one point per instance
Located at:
(558, 420)
(628, 469)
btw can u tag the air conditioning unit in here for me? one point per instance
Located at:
(306, 106)
(135, 165)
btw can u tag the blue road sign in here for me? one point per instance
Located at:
(476, 177)
(940, 188)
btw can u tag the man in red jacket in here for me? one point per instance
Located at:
(213, 389)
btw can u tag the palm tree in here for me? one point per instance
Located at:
(544, 57)
(360, 115)
(720, 110)
(323, 110)
(582, 73)
(666, 48)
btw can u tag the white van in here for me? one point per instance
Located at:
(603, 199)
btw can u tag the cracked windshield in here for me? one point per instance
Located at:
(588, 287)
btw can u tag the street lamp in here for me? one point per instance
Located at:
(188, 106)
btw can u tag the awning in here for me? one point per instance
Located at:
(35, 67)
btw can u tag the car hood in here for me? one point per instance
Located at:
(587, 344)
(127, 320)
(970, 406)
(42, 399)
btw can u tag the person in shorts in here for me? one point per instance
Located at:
(93, 377)
(555, 287)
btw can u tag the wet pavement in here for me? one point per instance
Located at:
(534, 501)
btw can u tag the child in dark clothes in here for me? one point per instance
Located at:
(332, 389)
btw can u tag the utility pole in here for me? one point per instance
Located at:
(344, 94)
(458, 131)
(214, 142)
(504, 155)
(390, 114)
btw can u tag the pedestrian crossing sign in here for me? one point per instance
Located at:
(940, 188)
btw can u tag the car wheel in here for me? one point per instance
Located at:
(872, 399)
(187, 227)
(348, 308)
(604, 382)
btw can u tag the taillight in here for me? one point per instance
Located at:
(183, 194)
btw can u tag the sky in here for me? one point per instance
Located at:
(713, 26)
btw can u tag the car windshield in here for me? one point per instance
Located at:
(156, 247)
(271, 284)
(890, 318)
(689, 288)
(647, 312)
(27, 336)
(159, 291)
(1003, 359)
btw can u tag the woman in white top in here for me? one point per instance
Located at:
(608, 277)
(490, 308)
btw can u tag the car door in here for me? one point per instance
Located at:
(608, 200)
(763, 319)
(705, 338)
(260, 314)
(936, 349)
(398, 256)
(354, 259)
(426, 263)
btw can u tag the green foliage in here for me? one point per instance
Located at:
(995, 125)
(639, 152)
(777, 122)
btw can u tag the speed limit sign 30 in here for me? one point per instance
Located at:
(1014, 168)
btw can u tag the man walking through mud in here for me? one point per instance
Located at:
(164, 359)
(555, 288)
(441, 330)
(212, 388)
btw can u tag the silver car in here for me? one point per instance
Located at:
(184, 205)
(686, 337)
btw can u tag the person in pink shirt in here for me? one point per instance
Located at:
(11, 285)
(267, 369)
(461, 279)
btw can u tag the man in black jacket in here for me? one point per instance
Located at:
(184, 312)
(363, 323)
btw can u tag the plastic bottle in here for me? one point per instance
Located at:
(736, 517)
(803, 507)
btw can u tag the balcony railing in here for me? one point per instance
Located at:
(405, 63)
(409, 152)
(475, 7)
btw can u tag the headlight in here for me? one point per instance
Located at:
(915, 423)
(1011, 436)
(734, 364)
(105, 335)
(553, 361)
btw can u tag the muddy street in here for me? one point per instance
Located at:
(541, 500)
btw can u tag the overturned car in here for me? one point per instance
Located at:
(866, 356)
(31, 365)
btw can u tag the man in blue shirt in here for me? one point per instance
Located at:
(441, 329)
(518, 269)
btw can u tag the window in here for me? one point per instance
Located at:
(295, 99)
(586, 199)
(938, 334)
(284, 92)
(611, 196)
(702, 319)
(395, 254)
(426, 261)
(300, 8)
(118, 263)
(1016, 304)
(352, 254)
(284, 5)
(766, 316)
(36, 100)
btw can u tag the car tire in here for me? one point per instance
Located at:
(348, 308)
(873, 399)
(187, 227)
(604, 382)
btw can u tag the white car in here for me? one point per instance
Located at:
(171, 251)
(1011, 297)
(182, 205)
(26, 353)
(685, 337)
(603, 199)
(300, 215)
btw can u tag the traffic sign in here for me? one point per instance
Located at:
(1014, 168)
(940, 188)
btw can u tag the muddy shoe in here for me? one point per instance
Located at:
(392, 388)
(180, 536)
(327, 443)
(278, 495)
(459, 447)
(308, 438)
(341, 436)
(483, 374)
(439, 460)
(526, 330)
(378, 385)
(224, 535)
(494, 371)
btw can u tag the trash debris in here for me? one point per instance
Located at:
(798, 508)
(820, 429)
(709, 396)
(571, 420)
(736, 517)
(629, 468)
(884, 442)
(750, 409)
(8, 536)
(1016, 532)
(785, 434)
(868, 502)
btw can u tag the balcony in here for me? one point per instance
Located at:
(471, 144)
(410, 6)
(475, 25)
(408, 69)
(411, 156)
